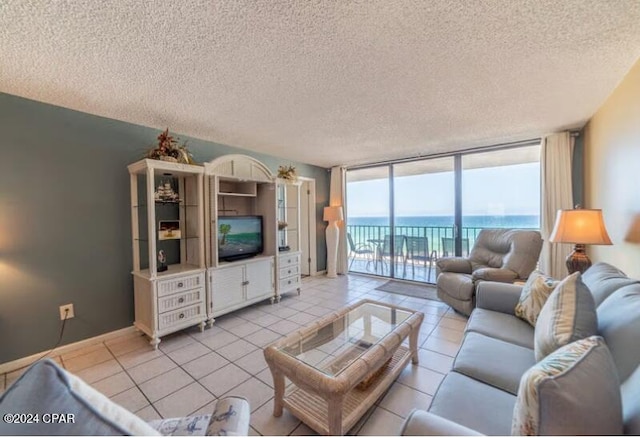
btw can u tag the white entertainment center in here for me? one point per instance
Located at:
(195, 218)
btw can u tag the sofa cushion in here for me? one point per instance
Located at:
(533, 296)
(619, 324)
(631, 403)
(501, 326)
(603, 280)
(421, 423)
(499, 297)
(573, 391)
(474, 405)
(568, 315)
(477, 359)
(46, 388)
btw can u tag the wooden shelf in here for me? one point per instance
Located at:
(245, 260)
(176, 269)
(237, 188)
(245, 195)
(159, 241)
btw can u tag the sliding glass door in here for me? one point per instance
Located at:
(402, 217)
(368, 219)
(424, 216)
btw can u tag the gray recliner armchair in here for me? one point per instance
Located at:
(502, 255)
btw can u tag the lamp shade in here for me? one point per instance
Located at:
(633, 236)
(333, 213)
(582, 226)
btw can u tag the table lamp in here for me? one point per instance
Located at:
(581, 227)
(633, 235)
(332, 215)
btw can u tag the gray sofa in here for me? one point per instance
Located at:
(500, 255)
(479, 394)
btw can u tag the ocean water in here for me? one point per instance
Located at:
(511, 221)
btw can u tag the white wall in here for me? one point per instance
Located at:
(612, 171)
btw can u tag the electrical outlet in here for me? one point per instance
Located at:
(63, 310)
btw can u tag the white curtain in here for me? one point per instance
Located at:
(557, 193)
(337, 197)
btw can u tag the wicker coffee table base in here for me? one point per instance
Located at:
(331, 405)
(316, 413)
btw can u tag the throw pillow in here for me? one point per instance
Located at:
(568, 315)
(230, 418)
(533, 296)
(573, 391)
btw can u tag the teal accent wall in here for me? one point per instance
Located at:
(65, 227)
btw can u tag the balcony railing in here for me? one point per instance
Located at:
(368, 234)
(440, 244)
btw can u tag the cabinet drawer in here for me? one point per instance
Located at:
(289, 271)
(170, 286)
(289, 283)
(289, 260)
(177, 317)
(182, 299)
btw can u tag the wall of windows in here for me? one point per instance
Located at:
(402, 217)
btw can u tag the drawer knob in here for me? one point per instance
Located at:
(181, 284)
(289, 261)
(181, 300)
(181, 316)
(289, 271)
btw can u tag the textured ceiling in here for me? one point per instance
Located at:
(326, 81)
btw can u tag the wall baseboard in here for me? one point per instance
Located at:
(13, 365)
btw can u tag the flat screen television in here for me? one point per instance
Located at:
(239, 237)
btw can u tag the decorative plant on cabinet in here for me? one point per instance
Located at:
(168, 149)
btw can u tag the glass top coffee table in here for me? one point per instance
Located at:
(342, 364)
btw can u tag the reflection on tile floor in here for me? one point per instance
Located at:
(191, 370)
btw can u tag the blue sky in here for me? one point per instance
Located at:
(504, 190)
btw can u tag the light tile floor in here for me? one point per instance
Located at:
(191, 370)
